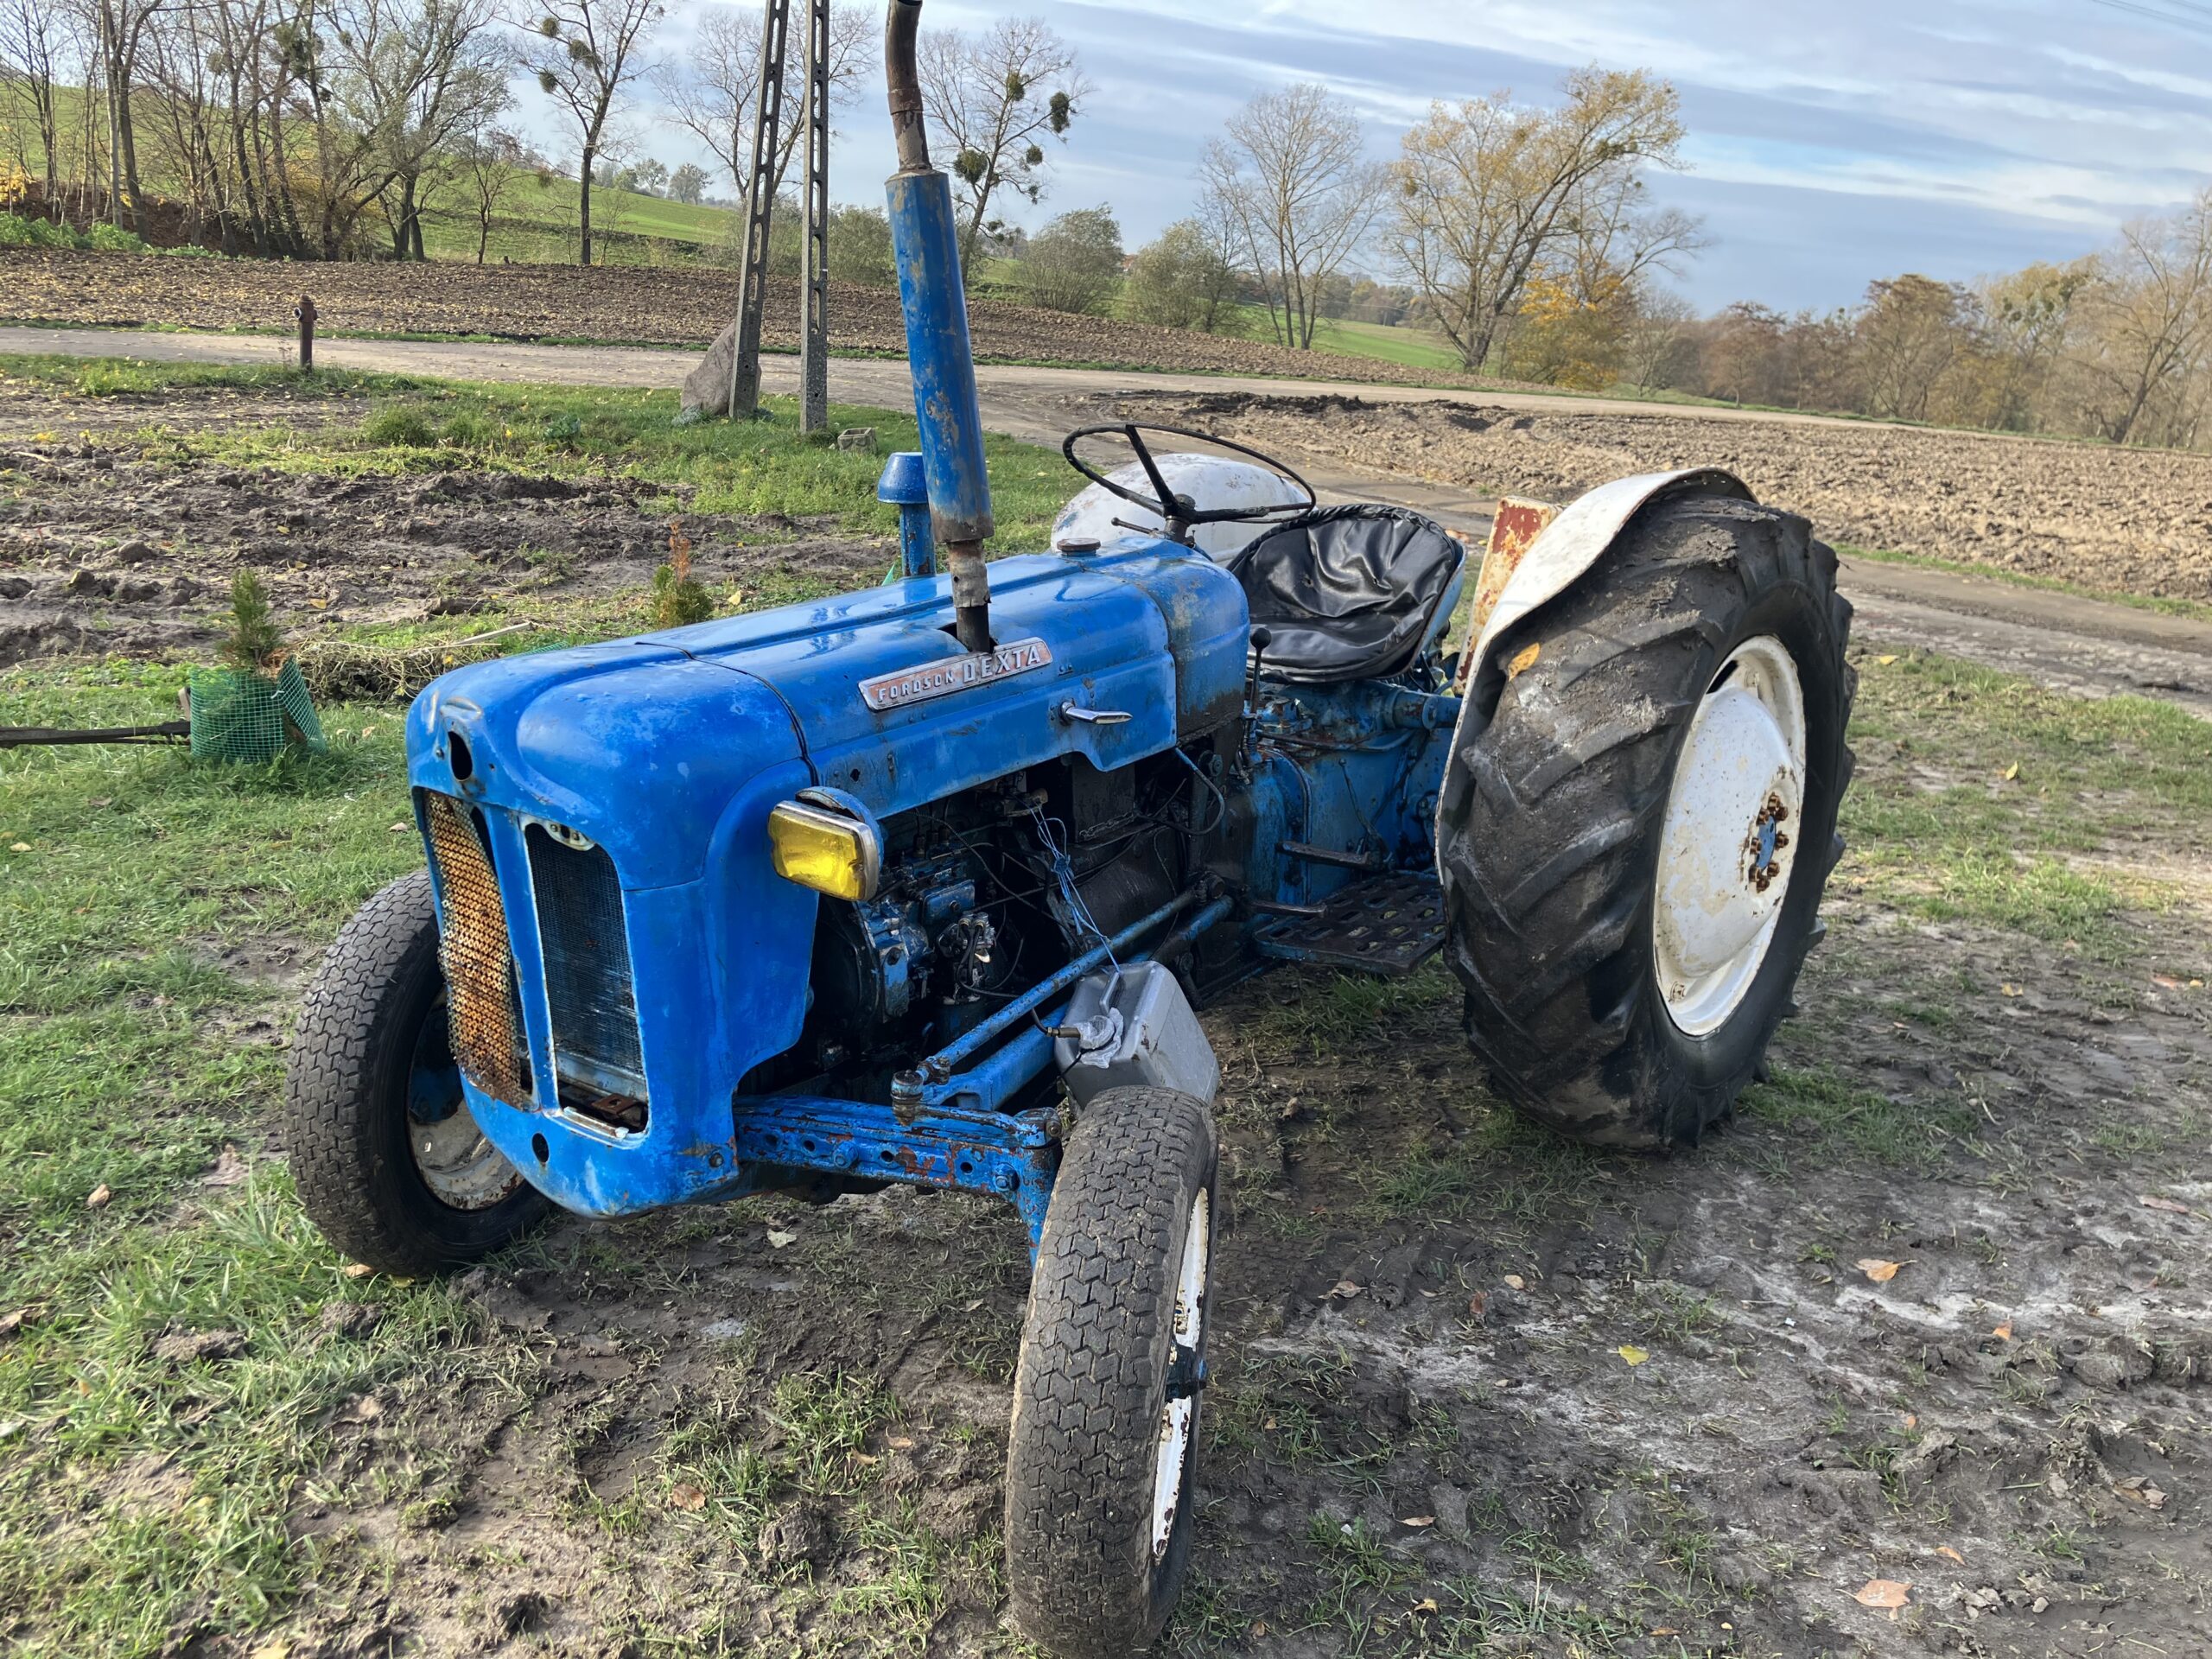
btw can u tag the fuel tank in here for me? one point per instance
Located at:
(621, 793)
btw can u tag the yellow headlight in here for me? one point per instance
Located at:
(824, 850)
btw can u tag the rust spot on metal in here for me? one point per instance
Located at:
(479, 961)
(1767, 842)
(1513, 531)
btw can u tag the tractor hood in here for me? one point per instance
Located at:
(620, 796)
(640, 744)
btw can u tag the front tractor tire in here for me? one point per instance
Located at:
(1637, 843)
(1103, 1448)
(387, 1159)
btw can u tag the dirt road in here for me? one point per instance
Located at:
(2064, 641)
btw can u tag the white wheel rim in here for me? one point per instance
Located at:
(1177, 1416)
(462, 1169)
(1734, 831)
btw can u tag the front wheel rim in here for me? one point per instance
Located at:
(1186, 1346)
(1734, 829)
(461, 1168)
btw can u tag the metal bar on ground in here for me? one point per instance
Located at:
(19, 737)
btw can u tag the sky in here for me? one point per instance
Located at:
(1829, 143)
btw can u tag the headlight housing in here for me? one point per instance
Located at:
(826, 851)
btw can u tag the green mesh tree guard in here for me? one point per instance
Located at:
(250, 716)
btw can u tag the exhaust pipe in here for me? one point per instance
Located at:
(926, 246)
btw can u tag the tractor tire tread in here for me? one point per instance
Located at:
(353, 1021)
(1547, 847)
(1079, 1476)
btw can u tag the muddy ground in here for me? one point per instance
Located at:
(631, 304)
(102, 555)
(1477, 1392)
(2135, 521)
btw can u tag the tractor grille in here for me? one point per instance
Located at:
(588, 988)
(482, 1011)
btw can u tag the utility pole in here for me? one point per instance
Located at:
(760, 205)
(814, 264)
(733, 387)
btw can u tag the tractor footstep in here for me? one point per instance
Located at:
(1387, 925)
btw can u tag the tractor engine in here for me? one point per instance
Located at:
(980, 894)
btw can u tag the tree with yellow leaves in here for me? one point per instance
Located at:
(1491, 194)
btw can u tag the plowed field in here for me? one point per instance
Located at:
(2130, 520)
(631, 304)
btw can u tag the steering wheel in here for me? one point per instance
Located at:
(1179, 511)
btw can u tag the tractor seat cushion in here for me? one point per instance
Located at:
(1347, 593)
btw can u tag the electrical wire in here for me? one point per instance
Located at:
(1064, 875)
(2180, 14)
(1221, 814)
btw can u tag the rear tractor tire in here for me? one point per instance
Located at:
(387, 1158)
(1103, 1449)
(1636, 849)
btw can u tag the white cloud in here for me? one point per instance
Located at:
(1831, 143)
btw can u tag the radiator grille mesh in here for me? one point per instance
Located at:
(479, 960)
(588, 979)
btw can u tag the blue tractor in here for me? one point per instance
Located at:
(921, 884)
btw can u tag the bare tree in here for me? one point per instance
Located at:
(2027, 319)
(412, 79)
(1292, 184)
(991, 99)
(1912, 333)
(1490, 192)
(120, 27)
(713, 94)
(2148, 318)
(586, 53)
(1656, 344)
(35, 42)
(489, 164)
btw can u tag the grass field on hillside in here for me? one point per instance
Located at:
(535, 221)
(1416, 346)
(536, 224)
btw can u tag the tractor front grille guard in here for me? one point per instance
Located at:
(483, 1009)
(590, 992)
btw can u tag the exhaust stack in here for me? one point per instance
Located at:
(927, 247)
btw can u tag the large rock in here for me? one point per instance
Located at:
(706, 389)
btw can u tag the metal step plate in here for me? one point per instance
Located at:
(1387, 925)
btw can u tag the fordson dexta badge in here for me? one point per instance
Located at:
(952, 674)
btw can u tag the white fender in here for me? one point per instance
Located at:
(1568, 549)
(1211, 481)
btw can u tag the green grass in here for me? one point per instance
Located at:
(1415, 347)
(140, 1500)
(417, 425)
(535, 223)
(1982, 797)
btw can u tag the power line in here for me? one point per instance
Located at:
(2179, 14)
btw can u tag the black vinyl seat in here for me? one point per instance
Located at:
(1346, 593)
